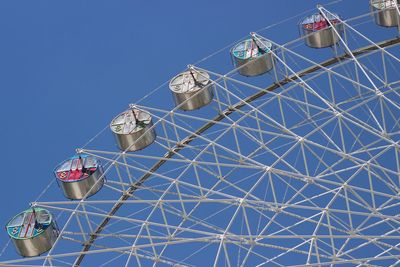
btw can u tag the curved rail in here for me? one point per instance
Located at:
(221, 116)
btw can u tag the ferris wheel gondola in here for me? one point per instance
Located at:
(385, 12)
(32, 231)
(318, 30)
(133, 129)
(253, 56)
(79, 176)
(191, 89)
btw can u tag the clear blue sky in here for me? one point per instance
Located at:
(68, 67)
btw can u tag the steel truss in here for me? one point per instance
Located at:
(303, 170)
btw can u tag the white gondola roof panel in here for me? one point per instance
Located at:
(189, 81)
(130, 121)
(384, 4)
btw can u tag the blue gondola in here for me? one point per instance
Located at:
(255, 53)
(32, 231)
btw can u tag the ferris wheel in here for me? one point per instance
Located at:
(281, 161)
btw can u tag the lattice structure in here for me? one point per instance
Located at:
(297, 167)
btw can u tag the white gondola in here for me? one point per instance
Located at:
(133, 129)
(385, 12)
(32, 231)
(79, 176)
(191, 89)
(253, 56)
(319, 32)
